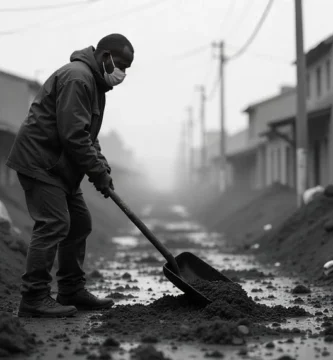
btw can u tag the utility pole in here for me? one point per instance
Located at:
(301, 119)
(183, 156)
(201, 88)
(190, 143)
(223, 167)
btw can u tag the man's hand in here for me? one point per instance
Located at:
(103, 184)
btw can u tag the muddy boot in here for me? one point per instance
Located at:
(84, 300)
(45, 307)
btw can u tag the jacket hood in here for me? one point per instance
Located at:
(87, 56)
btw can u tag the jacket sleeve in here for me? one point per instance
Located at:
(101, 157)
(73, 108)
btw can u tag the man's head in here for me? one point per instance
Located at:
(114, 50)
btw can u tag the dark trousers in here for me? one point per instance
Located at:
(62, 222)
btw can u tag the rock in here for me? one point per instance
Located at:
(95, 274)
(244, 330)
(237, 341)
(149, 339)
(328, 191)
(147, 352)
(214, 354)
(270, 345)
(126, 276)
(111, 342)
(328, 338)
(301, 289)
(243, 352)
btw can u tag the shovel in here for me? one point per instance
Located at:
(182, 270)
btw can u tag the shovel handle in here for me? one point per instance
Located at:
(145, 231)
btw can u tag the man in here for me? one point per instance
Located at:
(55, 147)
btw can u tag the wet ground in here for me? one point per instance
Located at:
(135, 275)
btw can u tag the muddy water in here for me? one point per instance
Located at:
(136, 271)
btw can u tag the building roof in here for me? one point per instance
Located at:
(320, 50)
(288, 90)
(32, 83)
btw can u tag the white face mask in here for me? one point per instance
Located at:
(116, 77)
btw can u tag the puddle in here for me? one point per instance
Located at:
(180, 210)
(125, 241)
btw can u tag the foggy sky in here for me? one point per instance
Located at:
(148, 109)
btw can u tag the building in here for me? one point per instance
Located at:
(272, 127)
(273, 151)
(16, 95)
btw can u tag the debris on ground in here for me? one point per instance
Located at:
(120, 296)
(230, 317)
(95, 274)
(13, 337)
(150, 259)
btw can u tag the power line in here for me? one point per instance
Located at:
(241, 18)
(194, 51)
(255, 32)
(270, 57)
(229, 11)
(120, 14)
(45, 7)
(134, 10)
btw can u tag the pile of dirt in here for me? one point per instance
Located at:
(12, 257)
(301, 243)
(13, 337)
(228, 319)
(212, 212)
(271, 206)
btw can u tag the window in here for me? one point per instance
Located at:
(318, 76)
(251, 128)
(308, 86)
(328, 74)
(278, 165)
(272, 166)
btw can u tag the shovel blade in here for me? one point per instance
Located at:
(192, 269)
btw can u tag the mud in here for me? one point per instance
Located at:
(242, 275)
(13, 337)
(229, 319)
(301, 243)
(244, 223)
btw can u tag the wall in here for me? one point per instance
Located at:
(279, 107)
(15, 98)
(315, 99)
(7, 175)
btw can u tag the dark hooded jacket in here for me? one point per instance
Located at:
(57, 142)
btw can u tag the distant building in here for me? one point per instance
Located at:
(274, 159)
(16, 95)
(272, 126)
